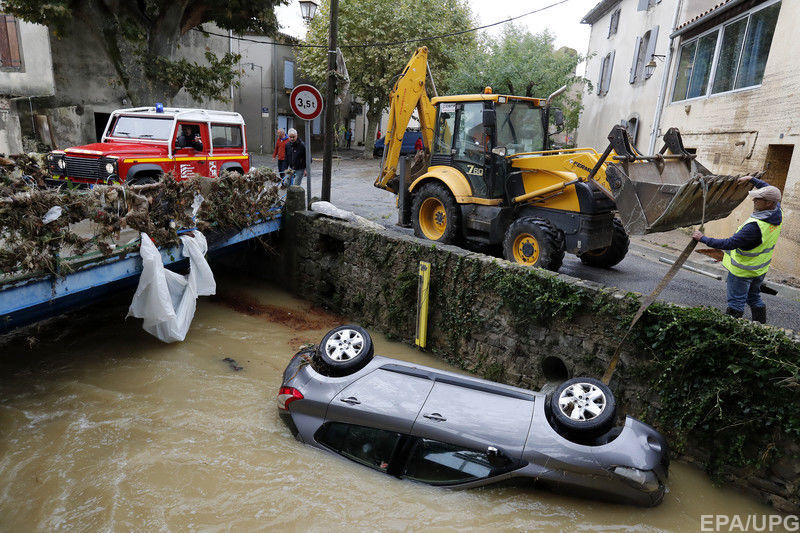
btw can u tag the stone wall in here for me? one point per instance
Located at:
(501, 321)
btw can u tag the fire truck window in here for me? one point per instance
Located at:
(224, 136)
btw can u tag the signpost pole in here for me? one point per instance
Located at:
(308, 164)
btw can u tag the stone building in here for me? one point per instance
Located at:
(625, 35)
(728, 82)
(26, 72)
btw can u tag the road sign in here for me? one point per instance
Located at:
(306, 102)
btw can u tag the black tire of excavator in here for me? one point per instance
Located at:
(549, 238)
(452, 232)
(611, 254)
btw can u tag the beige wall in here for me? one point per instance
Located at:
(601, 113)
(732, 132)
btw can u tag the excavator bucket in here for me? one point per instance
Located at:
(663, 192)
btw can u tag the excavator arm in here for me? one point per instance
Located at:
(407, 95)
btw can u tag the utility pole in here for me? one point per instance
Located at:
(330, 97)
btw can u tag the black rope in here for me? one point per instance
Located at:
(389, 43)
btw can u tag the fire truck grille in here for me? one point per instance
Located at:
(81, 167)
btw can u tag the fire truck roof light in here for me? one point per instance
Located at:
(159, 107)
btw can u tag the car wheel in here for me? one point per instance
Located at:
(611, 254)
(535, 242)
(435, 214)
(343, 350)
(583, 407)
(142, 179)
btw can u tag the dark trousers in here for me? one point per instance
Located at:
(281, 167)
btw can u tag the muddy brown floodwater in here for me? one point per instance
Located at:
(102, 427)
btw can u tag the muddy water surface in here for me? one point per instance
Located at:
(103, 427)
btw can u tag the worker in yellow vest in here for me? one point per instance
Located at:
(748, 252)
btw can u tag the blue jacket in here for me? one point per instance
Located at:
(749, 236)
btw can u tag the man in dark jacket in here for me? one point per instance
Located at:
(748, 252)
(295, 158)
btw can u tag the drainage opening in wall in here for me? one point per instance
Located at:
(554, 369)
(331, 245)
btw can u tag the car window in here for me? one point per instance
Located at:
(443, 464)
(368, 446)
(471, 138)
(224, 136)
(142, 128)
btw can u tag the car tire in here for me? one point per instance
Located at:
(583, 408)
(533, 241)
(343, 351)
(436, 215)
(142, 179)
(611, 254)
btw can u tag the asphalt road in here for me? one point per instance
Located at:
(640, 271)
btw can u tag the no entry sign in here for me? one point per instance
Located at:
(306, 102)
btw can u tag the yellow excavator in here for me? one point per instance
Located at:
(488, 177)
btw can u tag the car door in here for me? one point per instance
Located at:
(476, 418)
(383, 398)
(472, 145)
(189, 161)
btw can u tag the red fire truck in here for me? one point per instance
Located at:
(141, 144)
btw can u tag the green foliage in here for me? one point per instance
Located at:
(141, 39)
(535, 296)
(373, 70)
(524, 64)
(730, 385)
(199, 81)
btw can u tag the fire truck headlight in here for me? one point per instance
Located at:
(61, 163)
(110, 168)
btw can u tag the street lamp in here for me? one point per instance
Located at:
(253, 66)
(651, 66)
(308, 8)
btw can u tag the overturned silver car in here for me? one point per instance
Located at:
(442, 428)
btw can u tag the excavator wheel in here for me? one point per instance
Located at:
(435, 214)
(534, 242)
(611, 254)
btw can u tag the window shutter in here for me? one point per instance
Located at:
(638, 45)
(643, 5)
(607, 80)
(5, 49)
(600, 76)
(651, 49)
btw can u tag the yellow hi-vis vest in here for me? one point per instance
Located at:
(755, 262)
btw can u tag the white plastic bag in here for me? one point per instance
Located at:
(328, 209)
(166, 300)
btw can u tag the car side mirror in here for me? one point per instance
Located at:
(489, 118)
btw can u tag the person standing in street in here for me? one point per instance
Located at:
(295, 158)
(280, 151)
(748, 252)
(348, 137)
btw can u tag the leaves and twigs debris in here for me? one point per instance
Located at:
(232, 363)
(40, 226)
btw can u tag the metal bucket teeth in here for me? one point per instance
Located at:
(654, 198)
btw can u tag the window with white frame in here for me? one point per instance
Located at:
(606, 67)
(728, 57)
(613, 25)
